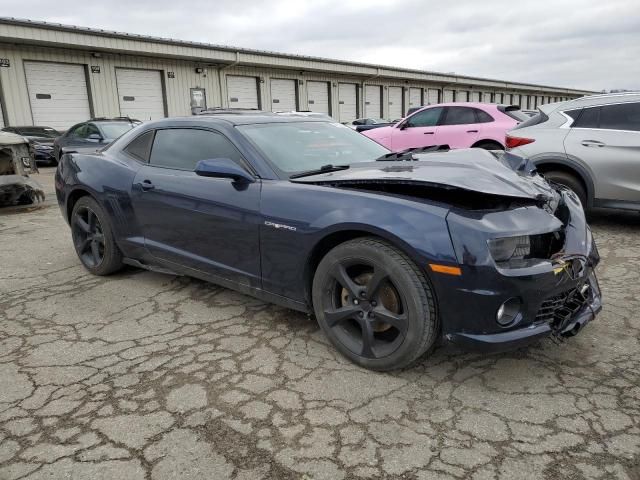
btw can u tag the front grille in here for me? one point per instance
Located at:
(559, 309)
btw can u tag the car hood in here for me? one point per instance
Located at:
(40, 140)
(379, 132)
(474, 169)
(8, 138)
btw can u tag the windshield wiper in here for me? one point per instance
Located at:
(408, 154)
(322, 169)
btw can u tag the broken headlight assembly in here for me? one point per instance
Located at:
(509, 248)
(524, 250)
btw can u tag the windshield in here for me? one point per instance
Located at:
(114, 130)
(302, 146)
(46, 132)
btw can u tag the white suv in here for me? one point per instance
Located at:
(590, 144)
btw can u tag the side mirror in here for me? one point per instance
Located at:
(95, 137)
(403, 125)
(223, 168)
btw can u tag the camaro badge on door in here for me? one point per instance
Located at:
(279, 225)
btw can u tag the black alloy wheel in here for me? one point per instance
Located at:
(88, 237)
(374, 304)
(93, 238)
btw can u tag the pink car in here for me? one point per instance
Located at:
(458, 125)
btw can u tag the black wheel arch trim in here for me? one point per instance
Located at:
(571, 162)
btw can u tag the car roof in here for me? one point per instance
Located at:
(593, 100)
(243, 119)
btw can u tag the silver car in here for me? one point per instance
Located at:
(590, 144)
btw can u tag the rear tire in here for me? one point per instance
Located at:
(571, 182)
(93, 238)
(374, 304)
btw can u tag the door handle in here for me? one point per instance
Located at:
(592, 143)
(472, 131)
(429, 133)
(146, 185)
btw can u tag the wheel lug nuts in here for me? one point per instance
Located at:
(361, 314)
(355, 301)
(373, 304)
(363, 294)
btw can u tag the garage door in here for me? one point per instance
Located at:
(57, 94)
(347, 102)
(506, 99)
(462, 96)
(318, 96)
(415, 97)
(140, 94)
(476, 96)
(373, 101)
(283, 95)
(448, 96)
(242, 92)
(497, 97)
(486, 97)
(433, 96)
(395, 103)
(515, 99)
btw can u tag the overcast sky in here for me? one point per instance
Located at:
(581, 44)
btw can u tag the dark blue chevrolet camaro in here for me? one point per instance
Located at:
(391, 251)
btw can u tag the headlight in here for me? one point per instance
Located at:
(508, 248)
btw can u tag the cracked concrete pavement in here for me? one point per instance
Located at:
(146, 376)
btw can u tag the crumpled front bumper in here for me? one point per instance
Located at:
(555, 301)
(511, 339)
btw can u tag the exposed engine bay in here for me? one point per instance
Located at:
(16, 162)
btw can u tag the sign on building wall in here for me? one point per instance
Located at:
(198, 100)
(4, 62)
(95, 68)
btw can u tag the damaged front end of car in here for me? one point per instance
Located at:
(528, 272)
(525, 254)
(16, 159)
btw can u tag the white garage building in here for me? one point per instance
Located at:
(58, 75)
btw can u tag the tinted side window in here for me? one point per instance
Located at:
(91, 129)
(483, 117)
(79, 131)
(589, 118)
(459, 116)
(140, 147)
(575, 114)
(183, 148)
(425, 118)
(625, 116)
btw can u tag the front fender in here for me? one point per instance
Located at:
(299, 217)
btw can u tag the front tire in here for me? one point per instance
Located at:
(93, 238)
(374, 304)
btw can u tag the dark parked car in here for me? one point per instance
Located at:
(391, 251)
(92, 135)
(41, 141)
